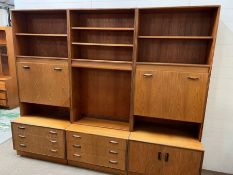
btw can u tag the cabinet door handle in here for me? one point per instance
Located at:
(167, 157)
(22, 136)
(57, 69)
(193, 78)
(147, 75)
(77, 136)
(53, 141)
(76, 155)
(76, 146)
(159, 155)
(26, 67)
(113, 162)
(23, 145)
(21, 127)
(113, 152)
(113, 142)
(52, 132)
(53, 150)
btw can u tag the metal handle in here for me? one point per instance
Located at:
(53, 141)
(76, 146)
(113, 142)
(22, 136)
(52, 132)
(167, 157)
(159, 155)
(57, 69)
(77, 136)
(193, 78)
(23, 145)
(26, 67)
(21, 127)
(113, 152)
(147, 75)
(53, 150)
(76, 155)
(113, 161)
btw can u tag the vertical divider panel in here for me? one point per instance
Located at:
(134, 59)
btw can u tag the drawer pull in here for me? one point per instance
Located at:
(113, 162)
(52, 132)
(193, 78)
(53, 141)
(76, 146)
(21, 127)
(53, 150)
(113, 152)
(26, 67)
(76, 155)
(113, 142)
(77, 136)
(23, 145)
(159, 155)
(57, 69)
(147, 75)
(22, 136)
(167, 157)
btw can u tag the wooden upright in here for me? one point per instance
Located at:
(116, 90)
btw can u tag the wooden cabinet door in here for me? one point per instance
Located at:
(170, 94)
(44, 83)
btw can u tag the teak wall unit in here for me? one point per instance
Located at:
(116, 90)
(8, 82)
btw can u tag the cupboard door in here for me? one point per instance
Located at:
(43, 83)
(170, 94)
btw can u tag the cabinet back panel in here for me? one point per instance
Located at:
(102, 93)
(174, 51)
(5, 65)
(2, 37)
(103, 53)
(42, 46)
(41, 22)
(176, 23)
(103, 18)
(109, 37)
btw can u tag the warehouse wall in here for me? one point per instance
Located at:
(3, 17)
(218, 130)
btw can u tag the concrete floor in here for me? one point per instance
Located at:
(11, 164)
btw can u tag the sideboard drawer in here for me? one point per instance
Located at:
(2, 86)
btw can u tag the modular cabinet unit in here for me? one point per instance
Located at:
(121, 91)
(8, 81)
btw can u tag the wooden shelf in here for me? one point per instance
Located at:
(110, 124)
(102, 64)
(41, 57)
(40, 34)
(43, 121)
(175, 37)
(104, 28)
(173, 64)
(4, 55)
(166, 136)
(102, 44)
(3, 77)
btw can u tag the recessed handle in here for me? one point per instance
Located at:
(22, 136)
(167, 157)
(52, 132)
(23, 145)
(26, 67)
(77, 136)
(113, 152)
(113, 142)
(21, 127)
(57, 69)
(113, 162)
(147, 75)
(53, 150)
(76, 146)
(53, 141)
(76, 155)
(159, 156)
(193, 78)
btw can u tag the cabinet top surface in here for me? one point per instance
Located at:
(43, 122)
(167, 137)
(99, 131)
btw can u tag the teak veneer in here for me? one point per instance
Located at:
(121, 91)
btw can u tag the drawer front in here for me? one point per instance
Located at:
(2, 95)
(88, 139)
(157, 159)
(2, 86)
(38, 140)
(3, 103)
(50, 85)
